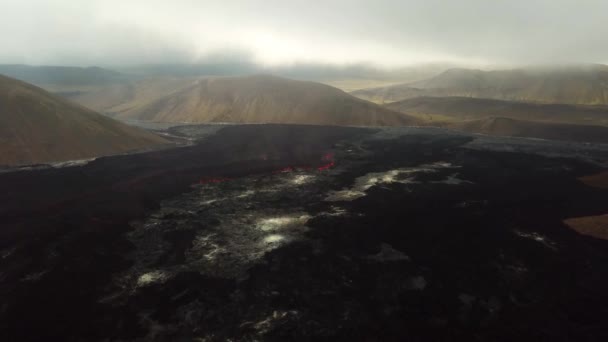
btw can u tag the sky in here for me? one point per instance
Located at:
(382, 33)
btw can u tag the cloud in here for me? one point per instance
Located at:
(281, 32)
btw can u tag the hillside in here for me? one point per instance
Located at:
(262, 99)
(584, 85)
(123, 96)
(531, 129)
(439, 109)
(38, 127)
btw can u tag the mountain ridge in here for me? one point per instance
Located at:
(586, 85)
(264, 99)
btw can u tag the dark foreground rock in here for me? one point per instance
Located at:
(306, 233)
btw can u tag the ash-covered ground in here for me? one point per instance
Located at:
(282, 233)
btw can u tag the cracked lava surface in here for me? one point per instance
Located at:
(278, 232)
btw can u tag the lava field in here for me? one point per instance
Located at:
(299, 233)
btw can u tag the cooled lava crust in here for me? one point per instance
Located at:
(297, 233)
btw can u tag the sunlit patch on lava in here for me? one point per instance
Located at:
(301, 179)
(241, 239)
(151, 277)
(536, 237)
(209, 202)
(245, 194)
(228, 226)
(402, 176)
(279, 223)
(274, 238)
(335, 211)
(270, 322)
(366, 182)
(344, 195)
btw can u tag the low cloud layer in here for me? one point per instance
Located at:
(385, 33)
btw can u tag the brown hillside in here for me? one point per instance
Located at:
(598, 180)
(263, 99)
(123, 96)
(587, 85)
(531, 129)
(438, 109)
(38, 127)
(595, 226)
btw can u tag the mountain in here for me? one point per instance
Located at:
(446, 109)
(261, 99)
(531, 129)
(123, 96)
(61, 76)
(586, 85)
(39, 127)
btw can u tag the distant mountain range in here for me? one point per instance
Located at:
(553, 103)
(585, 85)
(39, 127)
(249, 99)
(450, 109)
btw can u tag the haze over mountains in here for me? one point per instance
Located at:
(38, 127)
(61, 76)
(263, 99)
(245, 99)
(520, 102)
(586, 84)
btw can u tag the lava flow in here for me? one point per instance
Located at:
(328, 158)
(212, 180)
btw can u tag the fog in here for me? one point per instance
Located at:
(382, 33)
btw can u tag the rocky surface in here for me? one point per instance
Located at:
(274, 233)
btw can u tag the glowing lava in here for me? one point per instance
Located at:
(327, 159)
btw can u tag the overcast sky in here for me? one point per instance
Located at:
(387, 33)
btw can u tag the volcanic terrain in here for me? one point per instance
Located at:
(283, 232)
